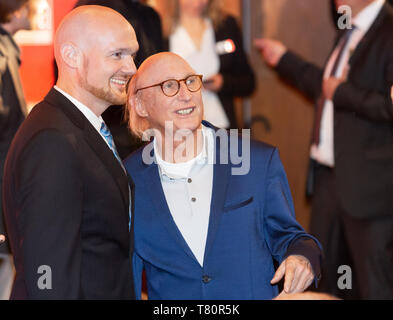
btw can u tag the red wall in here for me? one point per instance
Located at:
(37, 61)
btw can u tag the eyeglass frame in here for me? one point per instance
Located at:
(161, 84)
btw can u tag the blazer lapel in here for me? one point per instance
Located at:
(369, 36)
(152, 178)
(221, 180)
(94, 140)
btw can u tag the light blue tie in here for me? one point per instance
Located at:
(108, 137)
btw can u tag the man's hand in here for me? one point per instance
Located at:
(214, 83)
(271, 50)
(330, 85)
(2, 238)
(298, 274)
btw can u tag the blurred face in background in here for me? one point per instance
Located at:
(193, 8)
(28, 14)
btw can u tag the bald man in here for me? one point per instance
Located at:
(66, 194)
(208, 229)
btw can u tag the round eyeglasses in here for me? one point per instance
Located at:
(171, 87)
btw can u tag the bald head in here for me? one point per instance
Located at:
(84, 25)
(150, 107)
(94, 50)
(160, 67)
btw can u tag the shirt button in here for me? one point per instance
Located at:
(193, 199)
(206, 279)
(189, 180)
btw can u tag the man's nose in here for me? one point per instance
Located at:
(184, 93)
(129, 66)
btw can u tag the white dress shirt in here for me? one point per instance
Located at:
(90, 115)
(204, 61)
(324, 152)
(188, 190)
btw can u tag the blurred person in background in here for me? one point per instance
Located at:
(351, 168)
(211, 42)
(148, 29)
(15, 15)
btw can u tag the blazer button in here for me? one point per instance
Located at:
(206, 279)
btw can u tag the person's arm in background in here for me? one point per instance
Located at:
(299, 73)
(237, 78)
(371, 104)
(298, 253)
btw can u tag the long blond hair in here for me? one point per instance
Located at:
(213, 11)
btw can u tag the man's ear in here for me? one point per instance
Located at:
(71, 55)
(140, 109)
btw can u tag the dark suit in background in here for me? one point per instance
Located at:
(353, 204)
(66, 205)
(147, 26)
(12, 113)
(12, 103)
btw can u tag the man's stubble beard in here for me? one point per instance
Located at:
(102, 93)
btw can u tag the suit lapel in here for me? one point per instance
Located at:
(152, 178)
(94, 140)
(369, 36)
(221, 177)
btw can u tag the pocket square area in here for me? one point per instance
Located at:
(239, 204)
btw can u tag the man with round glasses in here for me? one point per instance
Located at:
(202, 231)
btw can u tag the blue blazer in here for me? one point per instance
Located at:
(252, 222)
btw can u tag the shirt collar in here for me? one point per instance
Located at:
(182, 170)
(90, 115)
(365, 18)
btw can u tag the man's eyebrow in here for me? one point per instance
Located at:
(125, 50)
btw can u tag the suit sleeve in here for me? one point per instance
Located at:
(49, 190)
(303, 75)
(371, 104)
(137, 273)
(239, 78)
(3, 111)
(283, 234)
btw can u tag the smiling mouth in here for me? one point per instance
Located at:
(120, 82)
(186, 111)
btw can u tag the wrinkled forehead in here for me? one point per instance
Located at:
(164, 68)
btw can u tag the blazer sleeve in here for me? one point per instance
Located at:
(50, 195)
(239, 78)
(371, 104)
(283, 234)
(137, 269)
(301, 74)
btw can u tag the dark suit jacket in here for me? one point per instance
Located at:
(12, 104)
(66, 206)
(239, 78)
(252, 222)
(363, 115)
